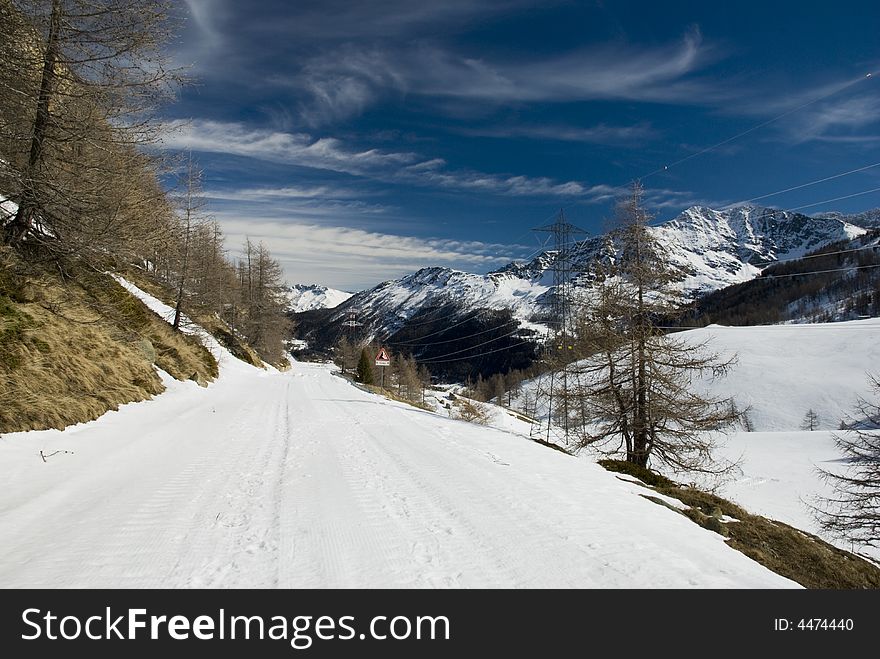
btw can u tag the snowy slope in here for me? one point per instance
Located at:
(781, 372)
(867, 219)
(298, 479)
(713, 249)
(226, 361)
(307, 297)
(784, 370)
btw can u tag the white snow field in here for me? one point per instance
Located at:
(299, 479)
(782, 371)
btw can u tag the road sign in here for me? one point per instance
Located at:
(382, 359)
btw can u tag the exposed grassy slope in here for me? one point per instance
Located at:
(203, 317)
(75, 346)
(799, 556)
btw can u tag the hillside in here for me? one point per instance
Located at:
(269, 479)
(73, 348)
(840, 281)
(781, 372)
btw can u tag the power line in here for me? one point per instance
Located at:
(753, 129)
(807, 185)
(796, 208)
(758, 127)
(444, 329)
(458, 352)
(820, 326)
(482, 354)
(407, 324)
(460, 338)
(828, 201)
(817, 272)
(820, 255)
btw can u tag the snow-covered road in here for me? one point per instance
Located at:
(299, 479)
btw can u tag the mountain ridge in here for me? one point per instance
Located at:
(707, 250)
(308, 297)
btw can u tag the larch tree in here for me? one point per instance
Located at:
(638, 389)
(85, 78)
(264, 321)
(346, 354)
(852, 512)
(190, 219)
(811, 420)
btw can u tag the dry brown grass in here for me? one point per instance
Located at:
(74, 348)
(799, 556)
(217, 328)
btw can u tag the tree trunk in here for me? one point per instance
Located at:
(639, 454)
(18, 228)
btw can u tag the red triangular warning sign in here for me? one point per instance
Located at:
(382, 359)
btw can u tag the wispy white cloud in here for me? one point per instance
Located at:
(352, 259)
(598, 134)
(204, 41)
(837, 120)
(606, 72)
(331, 154)
(279, 146)
(341, 83)
(664, 199)
(286, 192)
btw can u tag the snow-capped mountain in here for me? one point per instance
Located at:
(708, 249)
(713, 249)
(306, 297)
(392, 303)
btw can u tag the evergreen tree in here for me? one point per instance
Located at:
(365, 368)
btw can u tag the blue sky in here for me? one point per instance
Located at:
(363, 140)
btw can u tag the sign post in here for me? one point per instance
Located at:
(383, 360)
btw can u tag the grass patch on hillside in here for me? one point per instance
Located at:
(790, 552)
(388, 393)
(76, 345)
(643, 474)
(203, 317)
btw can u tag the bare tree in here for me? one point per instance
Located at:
(409, 384)
(264, 321)
(346, 354)
(853, 511)
(190, 219)
(85, 77)
(638, 389)
(496, 386)
(811, 420)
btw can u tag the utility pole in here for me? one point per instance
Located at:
(349, 325)
(559, 345)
